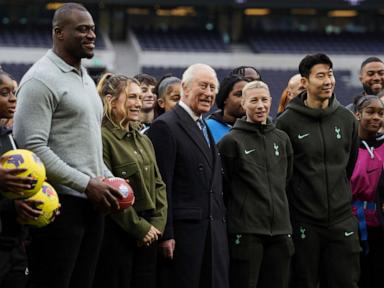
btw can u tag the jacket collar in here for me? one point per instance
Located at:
(242, 124)
(62, 65)
(189, 126)
(297, 104)
(121, 133)
(189, 111)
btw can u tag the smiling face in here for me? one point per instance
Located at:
(372, 78)
(320, 83)
(75, 36)
(257, 103)
(371, 118)
(7, 97)
(200, 92)
(128, 104)
(149, 98)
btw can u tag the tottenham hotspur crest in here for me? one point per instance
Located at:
(337, 131)
(276, 147)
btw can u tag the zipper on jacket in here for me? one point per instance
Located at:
(269, 186)
(325, 168)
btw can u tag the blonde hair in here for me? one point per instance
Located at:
(254, 85)
(113, 85)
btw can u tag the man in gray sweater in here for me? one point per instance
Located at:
(59, 117)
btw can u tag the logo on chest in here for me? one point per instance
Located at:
(276, 147)
(338, 132)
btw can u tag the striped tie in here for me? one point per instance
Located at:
(203, 128)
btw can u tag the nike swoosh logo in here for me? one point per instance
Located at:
(302, 136)
(249, 151)
(347, 234)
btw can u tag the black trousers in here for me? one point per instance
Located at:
(200, 257)
(122, 264)
(372, 268)
(13, 267)
(64, 253)
(259, 261)
(328, 256)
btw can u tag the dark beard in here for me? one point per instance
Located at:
(368, 90)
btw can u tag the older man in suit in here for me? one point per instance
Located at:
(195, 238)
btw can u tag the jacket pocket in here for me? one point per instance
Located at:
(125, 170)
(373, 166)
(187, 214)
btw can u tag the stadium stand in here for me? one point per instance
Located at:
(188, 40)
(17, 70)
(33, 37)
(296, 42)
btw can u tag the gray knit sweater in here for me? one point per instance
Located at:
(58, 116)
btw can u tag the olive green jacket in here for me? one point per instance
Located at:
(130, 155)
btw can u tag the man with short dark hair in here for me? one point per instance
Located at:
(371, 77)
(195, 237)
(325, 144)
(58, 117)
(147, 85)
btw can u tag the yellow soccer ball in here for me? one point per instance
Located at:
(21, 158)
(50, 205)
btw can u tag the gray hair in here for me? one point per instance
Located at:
(190, 74)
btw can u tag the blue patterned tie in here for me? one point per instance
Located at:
(203, 128)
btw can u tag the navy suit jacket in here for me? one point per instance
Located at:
(192, 173)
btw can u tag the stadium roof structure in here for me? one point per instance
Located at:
(323, 4)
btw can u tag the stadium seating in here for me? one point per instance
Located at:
(16, 70)
(296, 42)
(181, 40)
(33, 37)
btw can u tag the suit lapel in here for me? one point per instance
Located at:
(194, 133)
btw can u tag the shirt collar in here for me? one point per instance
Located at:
(189, 111)
(61, 64)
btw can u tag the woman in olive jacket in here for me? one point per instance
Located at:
(128, 253)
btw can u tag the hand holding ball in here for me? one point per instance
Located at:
(24, 159)
(125, 190)
(49, 206)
